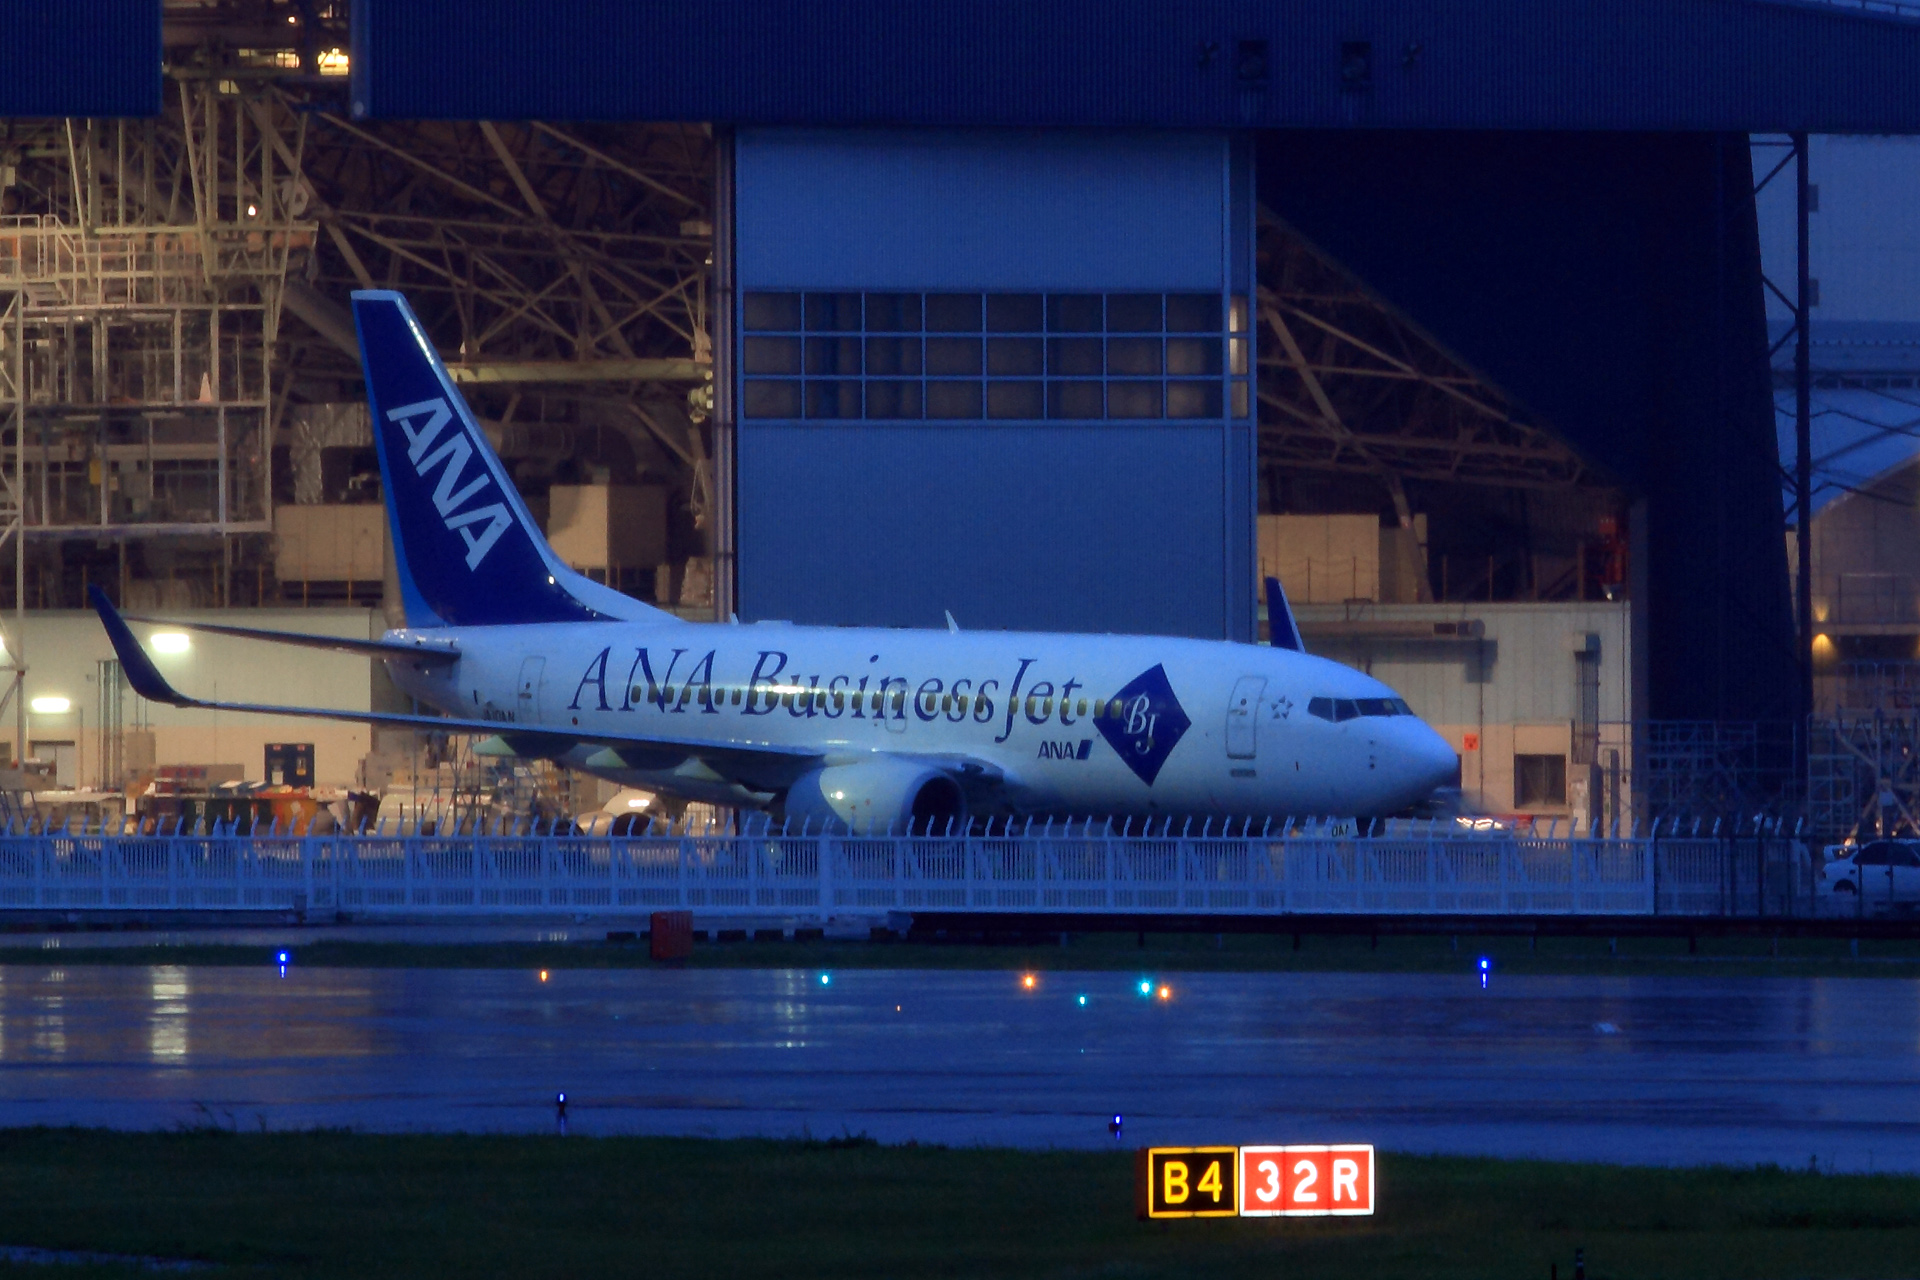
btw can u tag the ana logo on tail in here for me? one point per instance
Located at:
(448, 495)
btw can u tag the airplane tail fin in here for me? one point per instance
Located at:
(467, 551)
(1282, 631)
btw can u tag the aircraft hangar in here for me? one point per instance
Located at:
(1078, 316)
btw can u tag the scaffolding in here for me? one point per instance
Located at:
(143, 304)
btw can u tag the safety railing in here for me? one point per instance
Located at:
(799, 877)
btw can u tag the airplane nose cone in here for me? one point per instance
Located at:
(1431, 762)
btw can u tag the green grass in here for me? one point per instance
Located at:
(1811, 957)
(335, 1204)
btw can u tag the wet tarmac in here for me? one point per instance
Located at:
(1654, 1070)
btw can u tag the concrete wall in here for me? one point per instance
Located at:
(1511, 690)
(63, 651)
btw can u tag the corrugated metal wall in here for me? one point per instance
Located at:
(1043, 520)
(80, 58)
(1496, 64)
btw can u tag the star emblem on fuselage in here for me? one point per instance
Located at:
(1282, 707)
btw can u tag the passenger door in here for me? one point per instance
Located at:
(532, 672)
(1242, 717)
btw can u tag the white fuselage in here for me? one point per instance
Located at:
(1087, 725)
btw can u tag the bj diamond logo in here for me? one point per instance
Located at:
(1149, 726)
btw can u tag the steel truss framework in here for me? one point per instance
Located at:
(1351, 385)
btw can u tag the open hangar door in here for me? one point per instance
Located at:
(1600, 294)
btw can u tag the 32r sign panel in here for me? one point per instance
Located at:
(1305, 1182)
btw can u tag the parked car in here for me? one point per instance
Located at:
(1879, 875)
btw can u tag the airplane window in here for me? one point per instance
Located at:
(1375, 706)
(1113, 709)
(736, 697)
(820, 699)
(1081, 707)
(1401, 708)
(1344, 709)
(1033, 704)
(878, 699)
(1046, 707)
(946, 702)
(639, 694)
(666, 695)
(961, 703)
(1321, 707)
(899, 699)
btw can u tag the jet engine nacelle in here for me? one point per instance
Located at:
(877, 796)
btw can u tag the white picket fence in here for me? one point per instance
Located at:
(814, 878)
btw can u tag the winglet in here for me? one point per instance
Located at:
(134, 662)
(1282, 631)
(951, 624)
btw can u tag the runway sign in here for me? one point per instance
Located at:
(1305, 1182)
(1186, 1182)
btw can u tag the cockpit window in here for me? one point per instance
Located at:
(1338, 709)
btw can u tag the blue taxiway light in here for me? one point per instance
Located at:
(1082, 999)
(283, 957)
(826, 979)
(1146, 987)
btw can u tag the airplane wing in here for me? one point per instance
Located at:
(767, 766)
(147, 681)
(418, 650)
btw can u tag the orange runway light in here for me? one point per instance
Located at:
(1166, 993)
(543, 975)
(1029, 982)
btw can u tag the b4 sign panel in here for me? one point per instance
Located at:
(1187, 1182)
(1305, 1182)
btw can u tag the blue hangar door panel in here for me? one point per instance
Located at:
(1003, 373)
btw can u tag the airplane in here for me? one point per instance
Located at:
(839, 728)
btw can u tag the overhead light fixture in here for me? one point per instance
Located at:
(170, 642)
(51, 705)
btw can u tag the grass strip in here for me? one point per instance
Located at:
(325, 1204)
(1192, 953)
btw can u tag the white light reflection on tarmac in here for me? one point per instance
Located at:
(1691, 1070)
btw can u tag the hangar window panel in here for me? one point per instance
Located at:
(1016, 357)
(1015, 313)
(953, 313)
(770, 355)
(778, 311)
(765, 398)
(893, 313)
(1193, 399)
(955, 356)
(833, 312)
(1075, 313)
(893, 400)
(1015, 400)
(953, 400)
(948, 357)
(1074, 358)
(1133, 313)
(1076, 400)
(892, 357)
